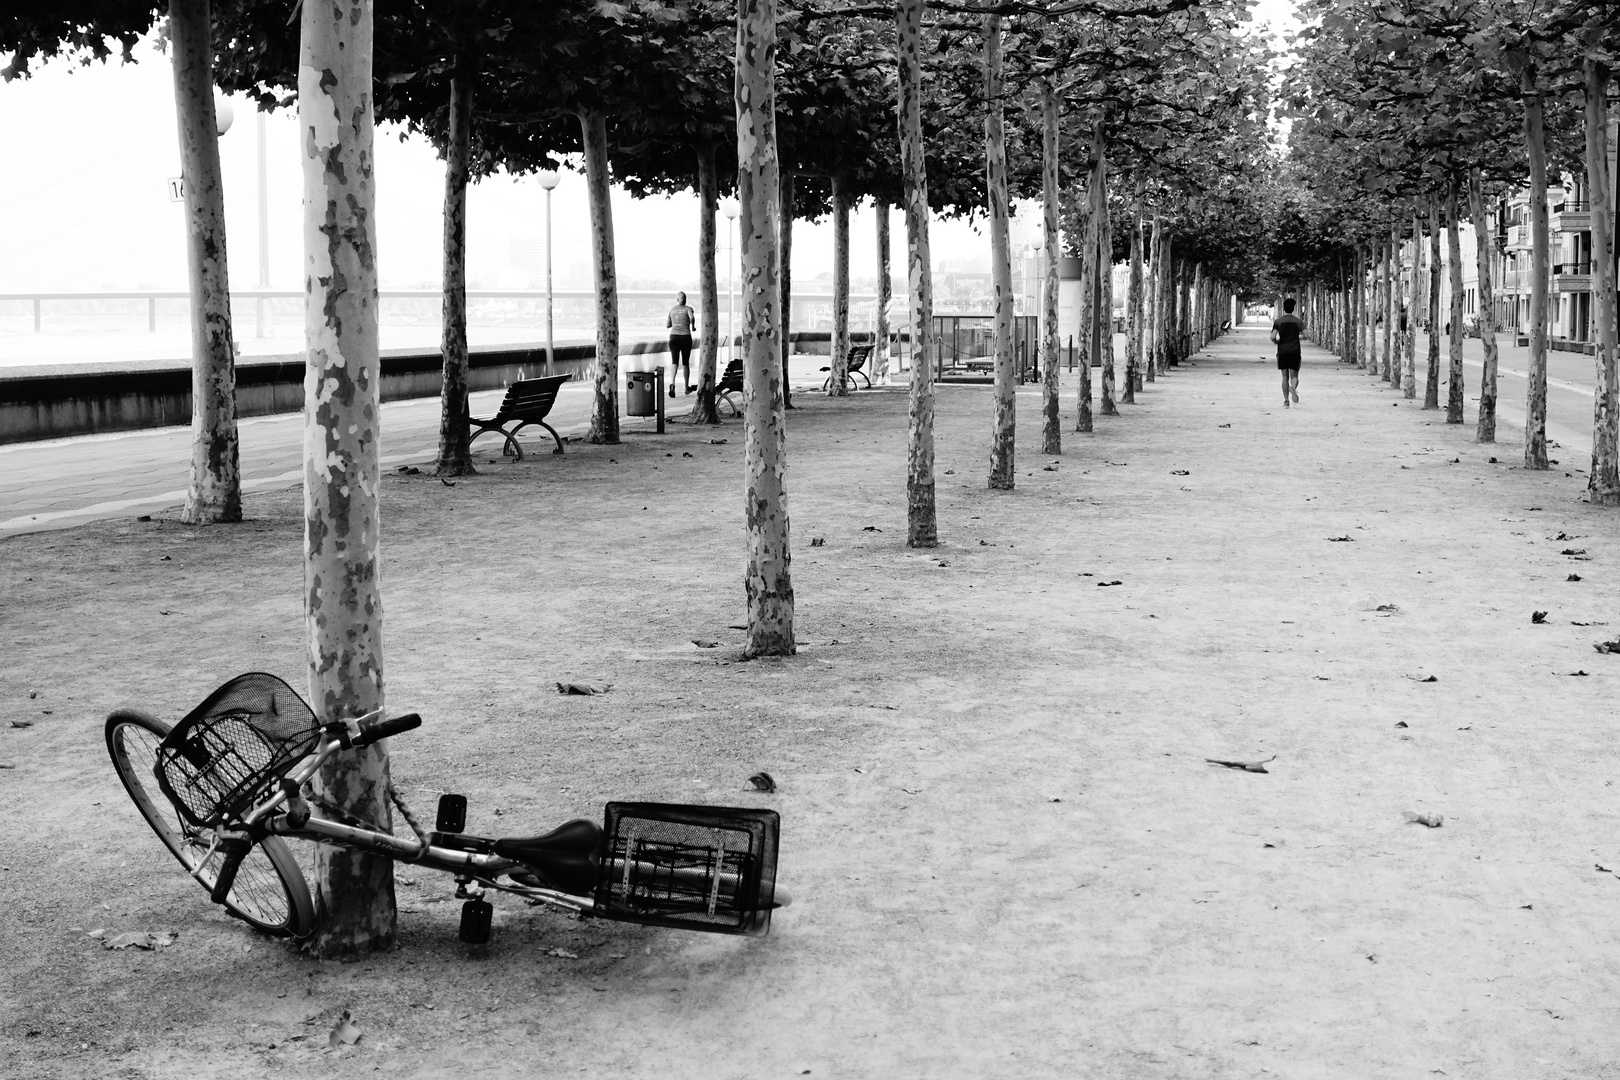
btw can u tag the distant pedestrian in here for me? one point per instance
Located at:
(680, 342)
(1285, 333)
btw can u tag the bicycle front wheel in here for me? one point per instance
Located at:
(269, 892)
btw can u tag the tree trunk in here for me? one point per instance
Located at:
(1387, 373)
(354, 890)
(1105, 266)
(708, 398)
(1133, 306)
(1454, 387)
(885, 293)
(455, 458)
(605, 370)
(1409, 377)
(1347, 316)
(784, 230)
(1603, 486)
(768, 582)
(1486, 429)
(1535, 418)
(1090, 342)
(921, 528)
(1052, 421)
(1155, 282)
(1431, 386)
(995, 182)
(840, 282)
(215, 493)
(1166, 332)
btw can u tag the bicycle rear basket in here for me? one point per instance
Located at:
(233, 747)
(692, 867)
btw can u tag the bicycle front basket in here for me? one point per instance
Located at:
(691, 867)
(232, 748)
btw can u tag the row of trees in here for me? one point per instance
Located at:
(1411, 115)
(802, 107)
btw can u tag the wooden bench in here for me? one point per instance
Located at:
(527, 401)
(731, 382)
(858, 355)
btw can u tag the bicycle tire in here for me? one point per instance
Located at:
(269, 892)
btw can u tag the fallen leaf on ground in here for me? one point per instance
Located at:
(1573, 577)
(345, 1033)
(1573, 551)
(584, 688)
(1400, 723)
(564, 953)
(1048, 468)
(1179, 472)
(138, 939)
(1602, 647)
(1578, 673)
(1602, 869)
(1246, 766)
(1538, 617)
(1389, 609)
(22, 723)
(1341, 539)
(705, 643)
(1105, 584)
(763, 781)
(818, 541)
(1433, 821)
(870, 528)
(717, 442)
(1116, 463)
(1223, 425)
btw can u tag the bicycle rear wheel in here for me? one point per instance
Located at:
(269, 892)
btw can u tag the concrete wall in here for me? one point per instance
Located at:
(54, 402)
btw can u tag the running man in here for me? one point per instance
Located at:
(1285, 333)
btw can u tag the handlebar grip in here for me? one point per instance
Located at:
(235, 849)
(373, 730)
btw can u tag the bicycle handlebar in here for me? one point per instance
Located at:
(373, 730)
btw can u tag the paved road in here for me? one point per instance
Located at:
(60, 483)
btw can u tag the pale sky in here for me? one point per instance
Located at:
(85, 202)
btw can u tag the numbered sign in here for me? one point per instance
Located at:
(177, 189)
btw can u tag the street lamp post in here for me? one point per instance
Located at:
(729, 208)
(548, 180)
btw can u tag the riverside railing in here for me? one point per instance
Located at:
(639, 310)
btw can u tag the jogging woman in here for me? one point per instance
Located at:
(680, 342)
(1285, 333)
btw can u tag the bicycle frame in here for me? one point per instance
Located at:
(466, 866)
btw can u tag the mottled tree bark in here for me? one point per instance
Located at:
(1486, 428)
(1387, 372)
(605, 370)
(1089, 345)
(1155, 286)
(784, 232)
(885, 293)
(1454, 388)
(1105, 268)
(455, 457)
(921, 527)
(1133, 307)
(1535, 419)
(768, 582)
(837, 379)
(1051, 418)
(1431, 386)
(707, 410)
(215, 491)
(995, 182)
(1603, 485)
(354, 890)
(1409, 374)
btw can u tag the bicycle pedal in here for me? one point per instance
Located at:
(475, 920)
(452, 813)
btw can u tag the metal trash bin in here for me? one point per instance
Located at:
(641, 393)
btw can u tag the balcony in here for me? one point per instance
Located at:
(1572, 277)
(1518, 237)
(1571, 216)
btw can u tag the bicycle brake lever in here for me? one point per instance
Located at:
(298, 810)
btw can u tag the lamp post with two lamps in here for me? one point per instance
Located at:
(549, 180)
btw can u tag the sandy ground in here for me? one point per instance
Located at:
(1009, 854)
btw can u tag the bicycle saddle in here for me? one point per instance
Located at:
(567, 858)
